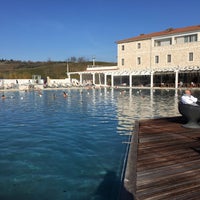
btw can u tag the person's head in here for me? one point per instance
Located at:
(188, 92)
(64, 94)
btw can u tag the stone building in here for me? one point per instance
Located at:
(169, 58)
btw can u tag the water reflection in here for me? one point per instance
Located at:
(135, 104)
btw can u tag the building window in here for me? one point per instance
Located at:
(186, 39)
(169, 58)
(156, 43)
(190, 56)
(179, 40)
(138, 60)
(138, 45)
(163, 42)
(156, 59)
(190, 38)
(123, 48)
(122, 61)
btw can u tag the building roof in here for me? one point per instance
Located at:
(168, 31)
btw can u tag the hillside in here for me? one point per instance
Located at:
(55, 70)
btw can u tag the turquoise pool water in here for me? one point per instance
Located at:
(56, 148)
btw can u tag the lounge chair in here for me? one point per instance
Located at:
(191, 113)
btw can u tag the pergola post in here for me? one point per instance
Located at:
(151, 83)
(130, 80)
(93, 78)
(81, 78)
(176, 79)
(105, 79)
(112, 80)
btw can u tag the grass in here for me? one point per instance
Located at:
(55, 70)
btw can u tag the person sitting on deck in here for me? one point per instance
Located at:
(187, 98)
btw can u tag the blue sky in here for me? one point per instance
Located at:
(41, 30)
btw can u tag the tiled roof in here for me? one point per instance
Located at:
(168, 31)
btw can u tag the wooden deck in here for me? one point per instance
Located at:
(164, 161)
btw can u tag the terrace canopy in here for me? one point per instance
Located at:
(166, 77)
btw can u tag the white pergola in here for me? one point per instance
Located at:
(131, 73)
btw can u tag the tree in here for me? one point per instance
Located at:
(81, 59)
(73, 59)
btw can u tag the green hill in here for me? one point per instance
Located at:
(55, 70)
